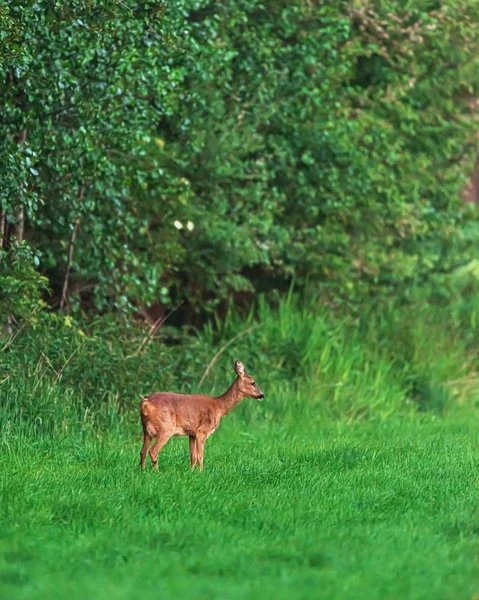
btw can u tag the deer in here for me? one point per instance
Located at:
(166, 414)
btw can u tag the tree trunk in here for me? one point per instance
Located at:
(3, 230)
(64, 298)
(20, 227)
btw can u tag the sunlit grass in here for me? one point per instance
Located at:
(334, 511)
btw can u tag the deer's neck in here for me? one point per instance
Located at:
(230, 398)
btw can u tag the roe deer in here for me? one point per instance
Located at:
(164, 414)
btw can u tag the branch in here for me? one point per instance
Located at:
(220, 352)
(146, 341)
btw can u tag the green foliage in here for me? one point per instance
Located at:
(212, 153)
(21, 286)
(324, 142)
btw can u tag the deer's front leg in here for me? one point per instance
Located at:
(200, 448)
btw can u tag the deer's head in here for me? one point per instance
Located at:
(247, 385)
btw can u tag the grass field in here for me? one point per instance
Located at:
(385, 510)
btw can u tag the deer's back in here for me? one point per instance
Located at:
(180, 414)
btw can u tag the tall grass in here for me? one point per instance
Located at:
(396, 360)
(310, 363)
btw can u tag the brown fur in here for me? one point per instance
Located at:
(165, 414)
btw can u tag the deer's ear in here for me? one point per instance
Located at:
(239, 367)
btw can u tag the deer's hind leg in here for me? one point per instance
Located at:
(161, 440)
(144, 449)
(193, 452)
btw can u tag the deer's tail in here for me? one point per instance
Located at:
(145, 407)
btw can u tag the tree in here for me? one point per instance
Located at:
(156, 152)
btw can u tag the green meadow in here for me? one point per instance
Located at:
(356, 477)
(302, 510)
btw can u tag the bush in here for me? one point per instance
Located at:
(208, 150)
(309, 363)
